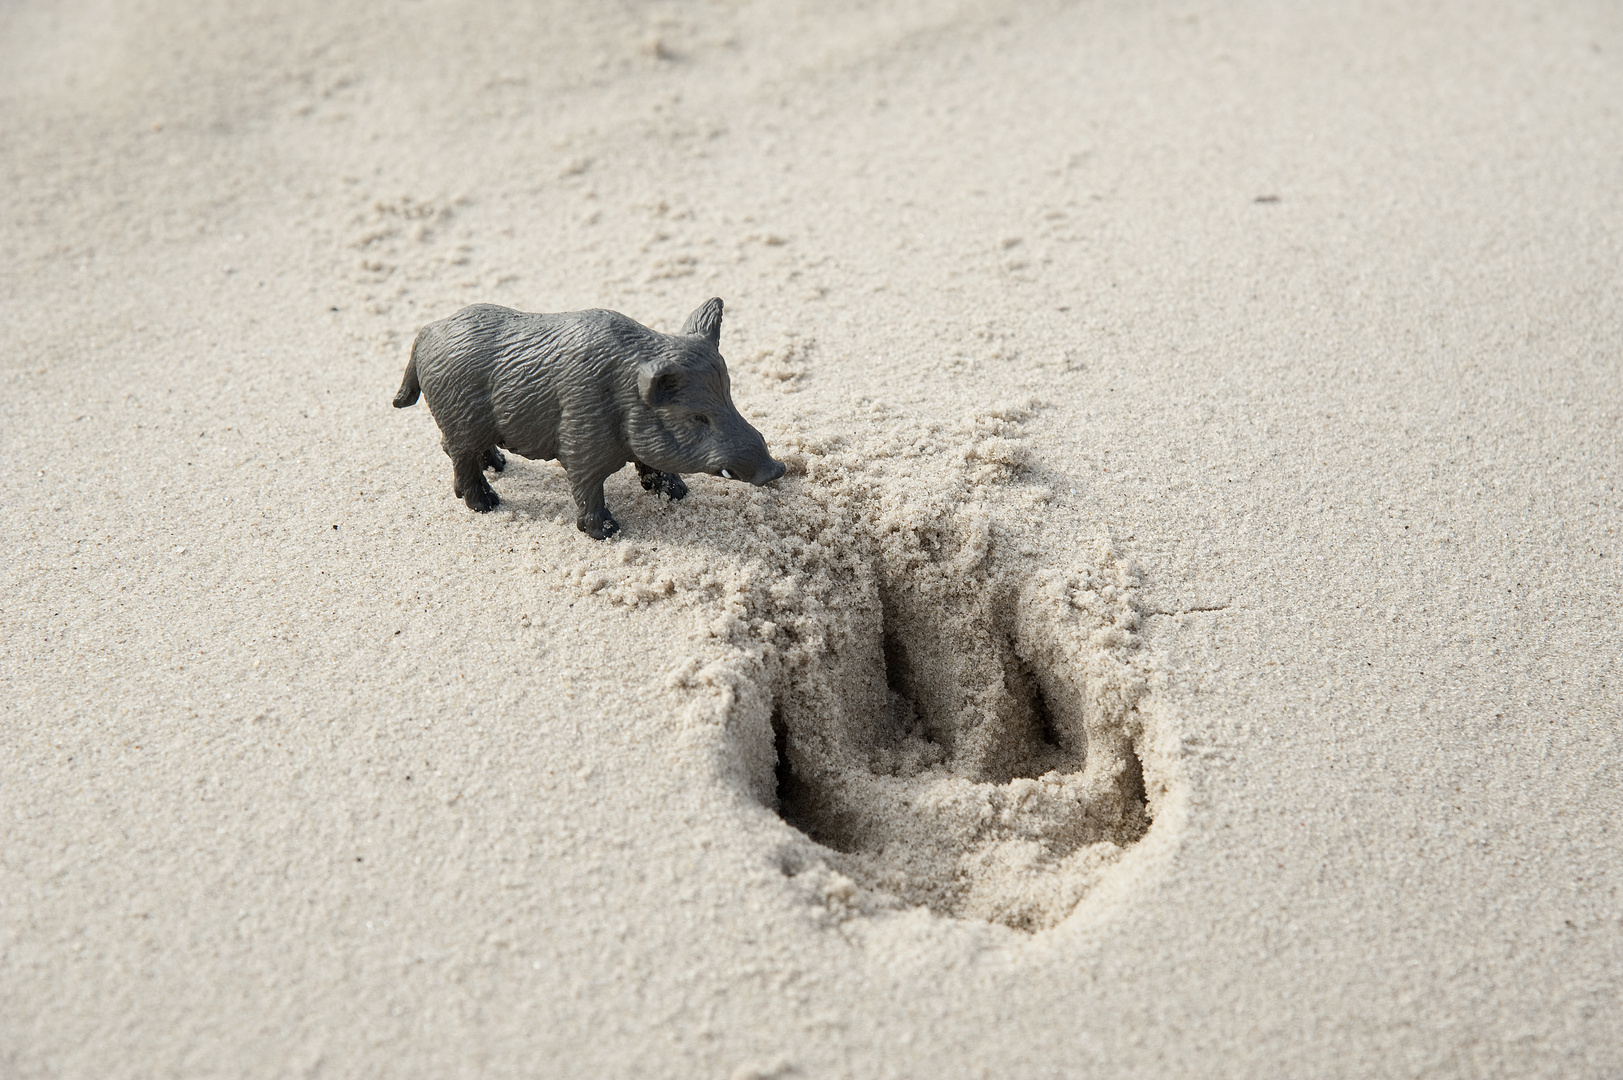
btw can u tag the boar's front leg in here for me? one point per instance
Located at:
(470, 484)
(595, 520)
(661, 483)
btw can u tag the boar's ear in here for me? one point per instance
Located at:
(705, 321)
(657, 383)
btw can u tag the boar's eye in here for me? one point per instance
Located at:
(702, 418)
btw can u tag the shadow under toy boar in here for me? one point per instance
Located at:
(592, 389)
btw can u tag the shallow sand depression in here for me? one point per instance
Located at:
(933, 710)
(1185, 640)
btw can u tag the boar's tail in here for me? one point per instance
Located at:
(409, 390)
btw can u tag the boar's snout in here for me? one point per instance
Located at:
(768, 472)
(765, 474)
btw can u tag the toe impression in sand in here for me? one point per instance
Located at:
(589, 389)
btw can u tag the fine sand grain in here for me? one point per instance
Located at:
(1185, 643)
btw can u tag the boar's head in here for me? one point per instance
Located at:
(690, 423)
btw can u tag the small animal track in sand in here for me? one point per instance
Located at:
(964, 738)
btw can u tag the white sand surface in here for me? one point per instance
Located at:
(1186, 642)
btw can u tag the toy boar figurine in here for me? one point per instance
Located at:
(592, 389)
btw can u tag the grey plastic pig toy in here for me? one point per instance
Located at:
(592, 389)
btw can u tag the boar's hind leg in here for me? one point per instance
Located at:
(471, 486)
(595, 520)
(661, 483)
(495, 460)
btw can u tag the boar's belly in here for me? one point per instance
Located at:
(528, 426)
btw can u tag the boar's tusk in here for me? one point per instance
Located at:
(726, 475)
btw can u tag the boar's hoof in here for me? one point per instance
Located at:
(482, 499)
(661, 483)
(599, 526)
(665, 483)
(495, 460)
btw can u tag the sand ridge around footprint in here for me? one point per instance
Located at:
(941, 707)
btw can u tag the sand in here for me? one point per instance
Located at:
(1185, 642)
